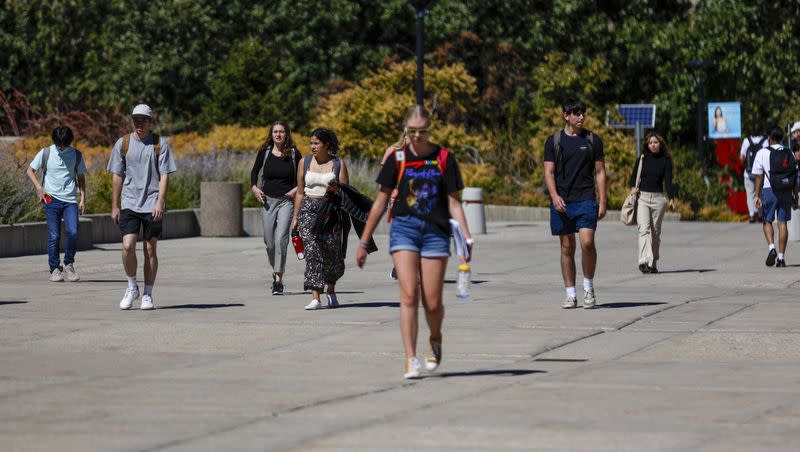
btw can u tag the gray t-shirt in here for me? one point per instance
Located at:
(141, 172)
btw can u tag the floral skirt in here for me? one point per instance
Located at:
(324, 260)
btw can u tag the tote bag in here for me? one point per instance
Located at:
(628, 212)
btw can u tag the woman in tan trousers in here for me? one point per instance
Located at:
(656, 177)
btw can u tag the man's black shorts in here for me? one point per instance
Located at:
(131, 222)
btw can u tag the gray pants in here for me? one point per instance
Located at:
(276, 218)
(649, 214)
(750, 189)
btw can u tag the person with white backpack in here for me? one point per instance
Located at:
(63, 192)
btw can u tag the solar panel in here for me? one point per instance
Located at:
(631, 114)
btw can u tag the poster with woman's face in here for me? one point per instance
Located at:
(724, 120)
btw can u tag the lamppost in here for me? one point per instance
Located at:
(702, 65)
(421, 8)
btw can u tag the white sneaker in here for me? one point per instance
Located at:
(56, 275)
(131, 294)
(433, 360)
(72, 275)
(411, 369)
(589, 300)
(332, 301)
(570, 303)
(315, 304)
(147, 303)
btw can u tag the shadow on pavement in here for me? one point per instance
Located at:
(377, 304)
(689, 270)
(632, 304)
(481, 373)
(474, 281)
(115, 281)
(201, 306)
(12, 302)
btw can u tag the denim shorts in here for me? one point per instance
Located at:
(414, 234)
(579, 215)
(773, 203)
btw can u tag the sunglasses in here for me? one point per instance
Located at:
(577, 112)
(414, 130)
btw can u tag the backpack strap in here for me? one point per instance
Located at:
(78, 160)
(156, 146)
(556, 151)
(400, 164)
(307, 163)
(337, 166)
(45, 158)
(443, 153)
(126, 143)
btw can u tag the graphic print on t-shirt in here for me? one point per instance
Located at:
(423, 186)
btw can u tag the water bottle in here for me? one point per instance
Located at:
(463, 282)
(297, 242)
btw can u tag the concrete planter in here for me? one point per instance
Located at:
(221, 209)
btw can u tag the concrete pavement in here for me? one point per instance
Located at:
(704, 356)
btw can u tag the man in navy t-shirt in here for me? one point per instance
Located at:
(573, 159)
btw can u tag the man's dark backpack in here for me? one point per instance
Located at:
(750, 155)
(782, 169)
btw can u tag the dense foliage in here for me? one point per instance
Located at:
(496, 71)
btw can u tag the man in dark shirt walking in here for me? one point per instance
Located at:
(573, 158)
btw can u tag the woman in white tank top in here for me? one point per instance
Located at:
(317, 175)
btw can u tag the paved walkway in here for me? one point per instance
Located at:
(704, 356)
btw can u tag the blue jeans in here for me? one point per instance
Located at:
(54, 212)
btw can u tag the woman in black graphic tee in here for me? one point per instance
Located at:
(428, 182)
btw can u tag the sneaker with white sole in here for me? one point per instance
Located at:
(433, 359)
(72, 275)
(333, 302)
(56, 275)
(147, 303)
(411, 368)
(131, 294)
(315, 304)
(570, 303)
(589, 300)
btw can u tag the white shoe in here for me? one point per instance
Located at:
(332, 301)
(411, 369)
(570, 303)
(147, 303)
(72, 275)
(131, 294)
(433, 360)
(589, 300)
(315, 304)
(56, 275)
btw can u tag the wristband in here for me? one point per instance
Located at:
(363, 244)
(470, 242)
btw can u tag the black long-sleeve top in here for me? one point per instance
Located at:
(656, 174)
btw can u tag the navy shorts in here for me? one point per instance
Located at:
(414, 234)
(773, 203)
(579, 215)
(131, 222)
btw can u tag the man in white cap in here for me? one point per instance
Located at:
(795, 138)
(141, 163)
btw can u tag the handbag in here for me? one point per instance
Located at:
(628, 212)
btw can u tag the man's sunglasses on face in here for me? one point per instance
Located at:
(577, 112)
(141, 118)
